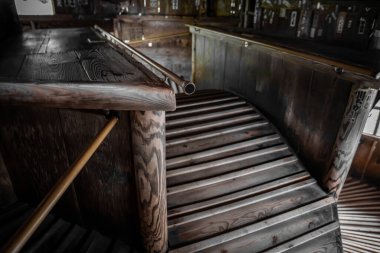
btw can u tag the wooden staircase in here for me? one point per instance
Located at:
(234, 185)
(359, 214)
(56, 235)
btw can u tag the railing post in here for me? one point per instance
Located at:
(357, 111)
(148, 140)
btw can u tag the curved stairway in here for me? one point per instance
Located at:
(359, 214)
(234, 185)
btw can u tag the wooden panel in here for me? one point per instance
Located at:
(33, 149)
(148, 143)
(105, 188)
(305, 100)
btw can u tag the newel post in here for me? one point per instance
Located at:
(148, 140)
(356, 114)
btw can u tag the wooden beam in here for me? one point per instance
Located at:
(89, 95)
(148, 143)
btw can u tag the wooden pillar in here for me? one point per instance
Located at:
(355, 117)
(148, 140)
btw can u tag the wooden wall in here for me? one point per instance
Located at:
(306, 101)
(39, 144)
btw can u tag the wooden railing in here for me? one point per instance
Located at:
(24, 233)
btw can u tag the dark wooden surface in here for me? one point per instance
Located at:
(66, 55)
(240, 194)
(303, 96)
(38, 144)
(148, 140)
(7, 195)
(9, 21)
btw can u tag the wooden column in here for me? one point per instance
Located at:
(148, 144)
(355, 117)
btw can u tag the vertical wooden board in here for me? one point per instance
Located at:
(248, 66)
(10, 66)
(105, 188)
(59, 66)
(232, 67)
(208, 57)
(34, 152)
(219, 63)
(199, 62)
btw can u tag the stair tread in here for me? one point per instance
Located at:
(209, 244)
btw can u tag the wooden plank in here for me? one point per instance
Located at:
(106, 64)
(7, 194)
(148, 142)
(212, 125)
(200, 142)
(88, 95)
(105, 188)
(215, 221)
(235, 196)
(224, 151)
(325, 239)
(40, 140)
(60, 66)
(72, 240)
(208, 244)
(231, 182)
(192, 120)
(218, 167)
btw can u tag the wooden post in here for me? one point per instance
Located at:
(148, 140)
(357, 111)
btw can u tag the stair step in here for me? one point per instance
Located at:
(229, 164)
(50, 238)
(192, 120)
(224, 151)
(324, 239)
(232, 182)
(235, 196)
(206, 109)
(217, 220)
(209, 126)
(206, 102)
(269, 232)
(71, 242)
(212, 139)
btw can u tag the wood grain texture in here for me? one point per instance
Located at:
(358, 108)
(77, 95)
(33, 150)
(148, 142)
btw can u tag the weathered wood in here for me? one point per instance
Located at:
(148, 146)
(249, 234)
(82, 95)
(358, 108)
(217, 220)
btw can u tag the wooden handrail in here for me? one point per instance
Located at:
(24, 233)
(187, 86)
(89, 95)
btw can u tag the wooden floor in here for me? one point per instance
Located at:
(359, 214)
(234, 185)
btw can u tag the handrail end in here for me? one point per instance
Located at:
(189, 88)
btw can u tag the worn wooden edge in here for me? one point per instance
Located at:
(141, 96)
(341, 69)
